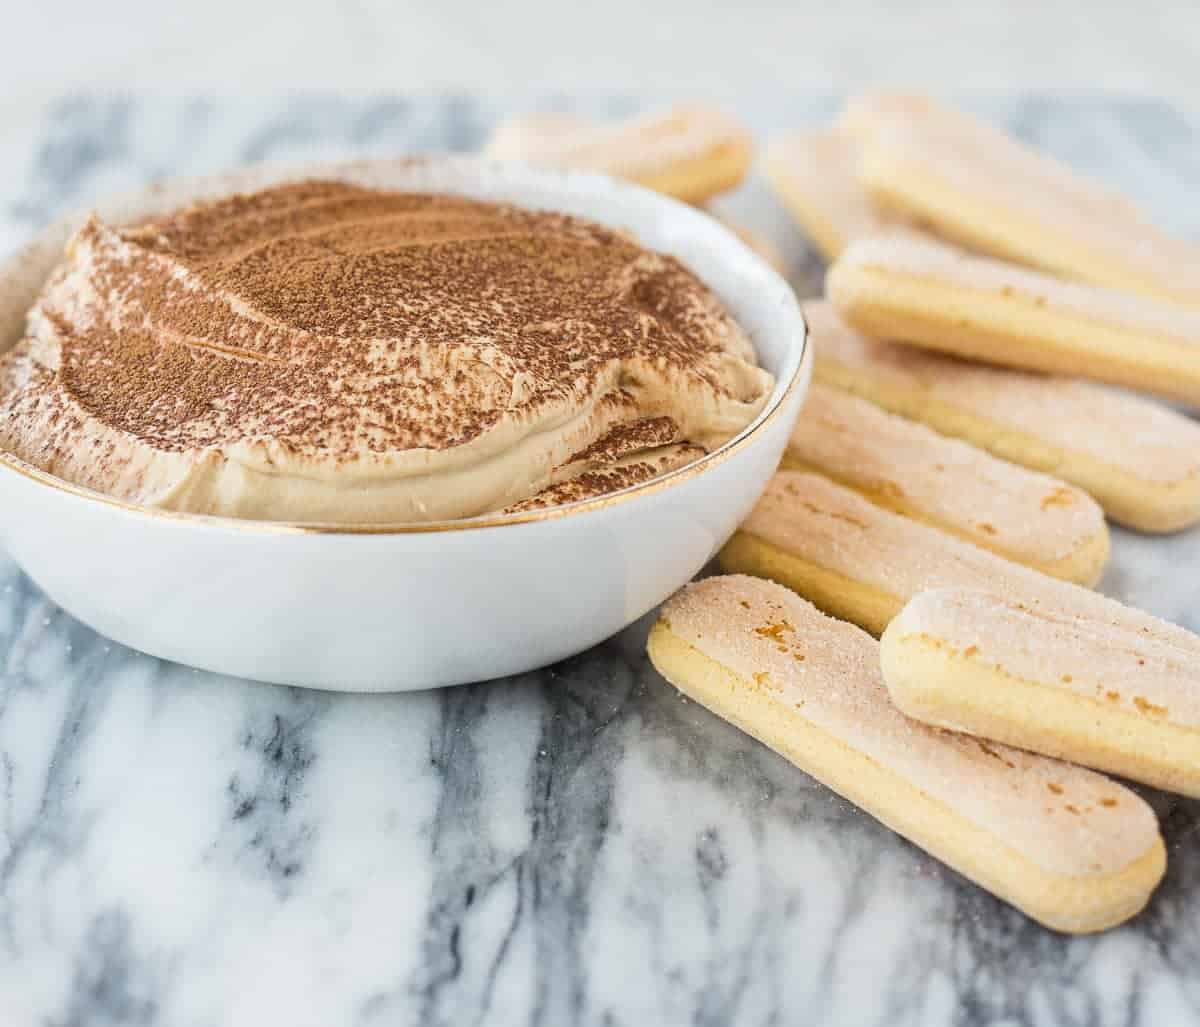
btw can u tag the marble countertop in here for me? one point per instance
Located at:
(575, 846)
(690, 47)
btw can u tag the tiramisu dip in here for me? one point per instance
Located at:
(319, 351)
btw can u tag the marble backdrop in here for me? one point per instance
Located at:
(579, 845)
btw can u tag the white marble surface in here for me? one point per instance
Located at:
(687, 46)
(576, 846)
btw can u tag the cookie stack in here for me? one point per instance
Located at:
(946, 491)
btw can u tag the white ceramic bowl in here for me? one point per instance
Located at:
(411, 606)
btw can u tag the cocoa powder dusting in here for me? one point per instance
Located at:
(323, 313)
(324, 322)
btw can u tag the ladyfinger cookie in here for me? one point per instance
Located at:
(980, 187)
(905, 467)
(866, 113)
(879, 118)
(758, 243)
(1068, 847)
(691, 153)
(851, 558)
(1062, 680)
(519, 137)
(1139, 460)
(862, 563)
(929, 294)
(815, 175)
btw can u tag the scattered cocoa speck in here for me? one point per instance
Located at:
(1061, 496)
(775, 631)
(1150, 709)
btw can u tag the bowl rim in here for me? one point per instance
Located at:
(784, 388)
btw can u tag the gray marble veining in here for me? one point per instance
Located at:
(575, 846)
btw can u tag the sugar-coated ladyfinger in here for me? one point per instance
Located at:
(518, 138)
(926, 293)
(1062, 679)
(815, 175)
(906, 467)
(852, 558)
(758, 243)
(1138, 459)
(880, 117)
(1068, 847)
(862, 563)
(980, 187)
(864, 114)
(691, 153)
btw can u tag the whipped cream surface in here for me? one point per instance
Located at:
(320, 351)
